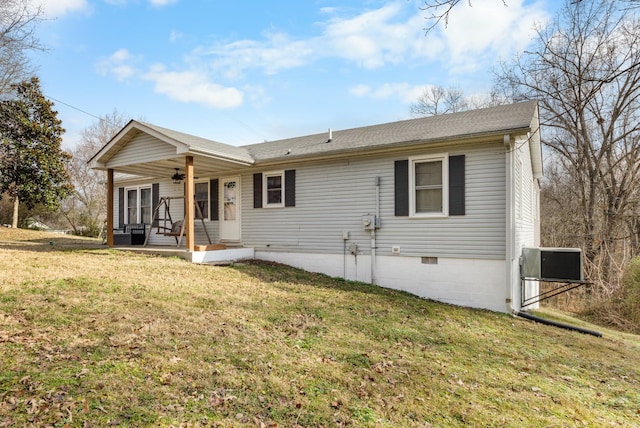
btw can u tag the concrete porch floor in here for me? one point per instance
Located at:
(216, 256)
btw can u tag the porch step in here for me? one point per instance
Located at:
(212, 247)
(223, 256)
(219, 263)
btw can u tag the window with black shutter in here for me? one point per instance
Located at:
(430, 186)
(274, 189)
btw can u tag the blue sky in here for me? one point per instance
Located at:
(242, 72)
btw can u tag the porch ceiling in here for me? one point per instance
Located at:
(165, 168)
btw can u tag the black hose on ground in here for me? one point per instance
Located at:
(558, 324)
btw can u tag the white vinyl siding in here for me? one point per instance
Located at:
(519, 194)
(525, 194)
(332, 196)
(143, 148)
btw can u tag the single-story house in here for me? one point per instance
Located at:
(440, 206)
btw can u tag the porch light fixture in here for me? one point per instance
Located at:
(177, 177)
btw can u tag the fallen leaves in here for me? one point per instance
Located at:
(188, 346)
(49, 405)
(221, 398)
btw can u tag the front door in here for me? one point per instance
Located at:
(230, 209)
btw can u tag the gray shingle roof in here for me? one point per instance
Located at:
(492, 120)
(204, 145)
(488, 121)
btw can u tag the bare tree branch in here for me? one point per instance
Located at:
(439, 11)
(585, 72)
(86, 209)
(17, 36)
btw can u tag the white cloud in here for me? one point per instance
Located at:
(175, 36)
(489, 29)
(257, 95)
(390, 35)
(161, 3)
(372, 39)
(57, 8)
(193, 86)
(405, 92)
(121, 55)
(277, 52)
(375, 38)
(117, 65)
(155, 3)
(184, 86)
(328, 10)
(360, 90)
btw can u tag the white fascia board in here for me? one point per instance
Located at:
(247, 162)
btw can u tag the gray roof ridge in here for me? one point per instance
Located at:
(434, 118)
(489, 120)
(202, 144)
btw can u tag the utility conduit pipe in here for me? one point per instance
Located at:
(376, 223)
(558, 324)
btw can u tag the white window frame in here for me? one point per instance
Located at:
(138, 190)
(265, 189)
(207, 182)
(441, 157)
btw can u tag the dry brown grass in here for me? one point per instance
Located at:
(92, 337)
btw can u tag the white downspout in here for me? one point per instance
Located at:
(512, 296)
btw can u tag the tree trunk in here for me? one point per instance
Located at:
(16, 205)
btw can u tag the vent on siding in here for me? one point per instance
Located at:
(429, 260)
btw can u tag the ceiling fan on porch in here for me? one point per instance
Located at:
(177, 177)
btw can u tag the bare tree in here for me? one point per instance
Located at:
(17, 37)
(86, 209)
(439, 10)
(585, 72)
(436, 100)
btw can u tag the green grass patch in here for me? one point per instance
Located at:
(94, 337)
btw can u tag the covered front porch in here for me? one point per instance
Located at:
(156, 165)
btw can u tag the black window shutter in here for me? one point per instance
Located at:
(214, 199)
(257, 190)
(456, 185)
(290, 188)
(120, 207)
(155, 198)
(401, 183)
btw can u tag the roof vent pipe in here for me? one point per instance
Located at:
(330, 136)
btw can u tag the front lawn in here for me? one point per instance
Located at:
(92, 337)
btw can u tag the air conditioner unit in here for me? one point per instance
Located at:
(563, 264)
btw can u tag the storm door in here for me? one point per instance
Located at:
(230, 209)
